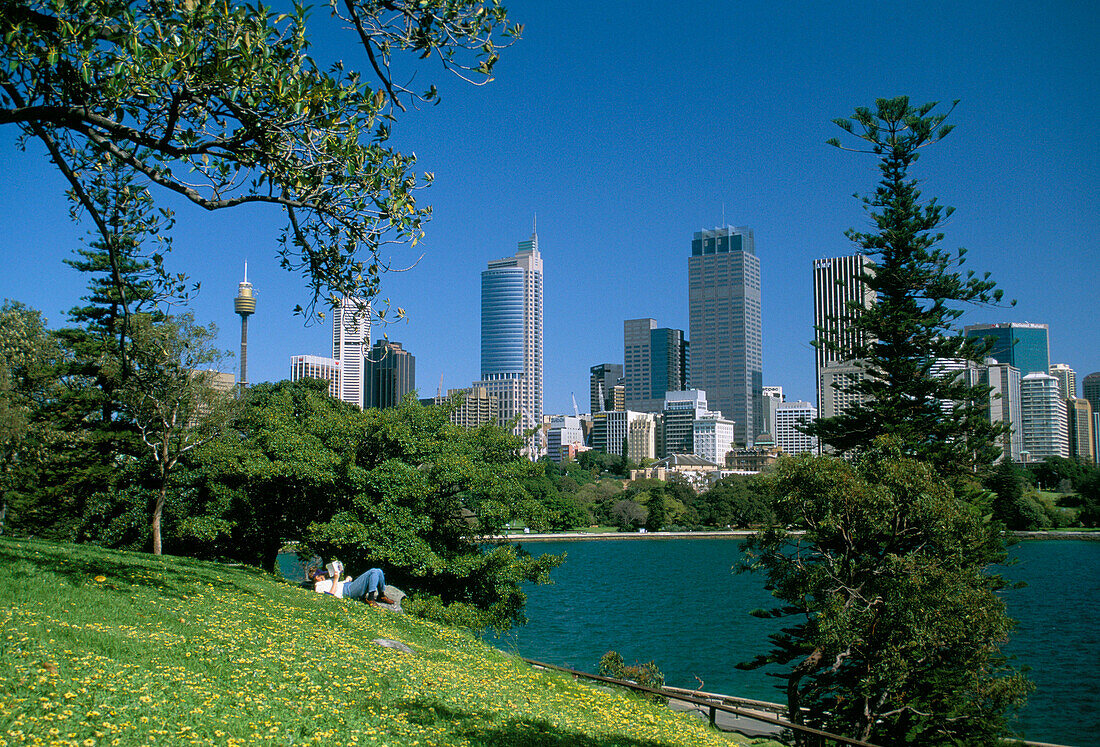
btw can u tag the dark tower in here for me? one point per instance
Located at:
(245, 305)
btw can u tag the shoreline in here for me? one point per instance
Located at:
(739, 534)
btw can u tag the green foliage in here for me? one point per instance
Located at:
(427, 494)
(1056, 473)
(171, 396)
(918, 291)
(897, 626)
(736, 501)
(28, 359)
(656, 514)
(222, 104)
(647, 675)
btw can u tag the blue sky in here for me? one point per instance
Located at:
(627, 126)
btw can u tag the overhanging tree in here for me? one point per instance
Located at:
(906, 336)
(223, 104)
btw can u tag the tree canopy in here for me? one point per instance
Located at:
(223, 104)
(897, 625)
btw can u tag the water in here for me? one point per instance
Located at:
(676, 602)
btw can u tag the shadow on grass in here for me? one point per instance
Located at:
(488, 729)
(79, 565)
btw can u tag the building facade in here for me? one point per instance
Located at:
(1003, 381)
(564, 431)
(713, 437)
(681, 409)
(1082, 443)
(604, 382)
(725, 326)
(656, 360)
(389, 373)
(1067, 379)
(1021, 344)
(316, 367)
(790, 417)
(511, 333)
(473, 407)
(350, 337)
(1044, 418)
(839, 296)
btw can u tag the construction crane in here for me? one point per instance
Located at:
(576, 413)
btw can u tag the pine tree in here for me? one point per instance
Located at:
(919, 290)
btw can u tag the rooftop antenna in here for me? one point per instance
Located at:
(723, 213)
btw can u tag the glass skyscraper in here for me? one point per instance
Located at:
(511, 331)
(1023, 345)
(656, 361)
(724, 324)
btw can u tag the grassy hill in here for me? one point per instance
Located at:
(100, 647)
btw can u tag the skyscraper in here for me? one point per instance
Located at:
(1067, 379)
(1023, 345)
(724, 314)
(1004, 407)
(602, 381)
(350, 336)
(1043, 415)
(316, 367)
(511, 332)
(837, 287)
(389, 374)
(656, 361)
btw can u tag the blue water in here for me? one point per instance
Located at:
(675, 601)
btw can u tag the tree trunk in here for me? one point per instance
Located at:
(154, 521)
(794, 700)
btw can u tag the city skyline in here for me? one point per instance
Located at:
(620, 162)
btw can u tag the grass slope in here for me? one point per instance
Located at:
(100, 647)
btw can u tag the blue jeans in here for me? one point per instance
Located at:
(368, 585)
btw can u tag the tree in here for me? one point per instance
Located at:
(171, 396)
(735, 501)
(426, 496)
(897, 626)
(286, 461)
(222, 104)
(909, 331)
(28, 358)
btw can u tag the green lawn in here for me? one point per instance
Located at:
(109, 648)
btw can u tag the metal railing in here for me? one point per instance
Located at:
(709, 704)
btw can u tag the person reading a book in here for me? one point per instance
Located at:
(369, 587)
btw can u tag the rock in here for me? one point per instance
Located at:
(395, 645)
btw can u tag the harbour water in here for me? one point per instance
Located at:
(676, 602)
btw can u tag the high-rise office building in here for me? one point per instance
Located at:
(350, 338)
(712, 437)
(681, 409)
(1082, 443)
(602, 382)
(790, 417)
(1067, 379)
(1090, 390)
(511, 332)
(1023, 345)
(389, 374)
(656, 360)
(469, 408)
(316, 367)
(773, 398)
(839, 295)
(1043, 416)
(724, 322)
(1003, 381)
(565, 430)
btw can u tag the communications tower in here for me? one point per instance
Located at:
(245, 305)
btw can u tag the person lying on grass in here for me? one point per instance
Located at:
(369, 587)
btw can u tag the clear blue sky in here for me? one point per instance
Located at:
(627, 126)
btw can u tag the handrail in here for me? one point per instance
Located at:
(754, 715)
